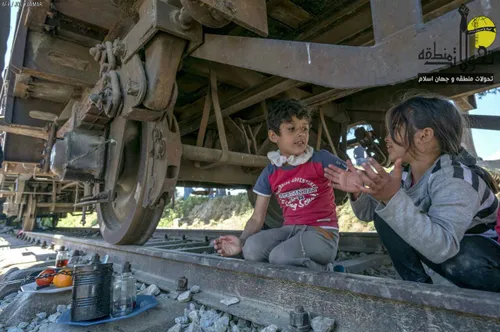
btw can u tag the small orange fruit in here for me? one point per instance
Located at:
(45, 277)
(63, 279)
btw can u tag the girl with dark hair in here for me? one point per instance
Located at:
(437, 206)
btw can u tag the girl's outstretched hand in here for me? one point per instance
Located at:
(346, 181)
(381, 185)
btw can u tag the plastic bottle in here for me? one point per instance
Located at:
(62, 257)
(124, 292)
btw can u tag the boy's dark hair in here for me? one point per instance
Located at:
(421, 112)
(283, 110)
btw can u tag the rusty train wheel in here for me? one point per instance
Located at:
(125, 220)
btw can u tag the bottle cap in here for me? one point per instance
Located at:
(63, 248)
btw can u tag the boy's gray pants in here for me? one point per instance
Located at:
(299, 245)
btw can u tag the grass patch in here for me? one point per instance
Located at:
(224, 212)
(75, 221)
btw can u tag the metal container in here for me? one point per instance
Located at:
(91, 296)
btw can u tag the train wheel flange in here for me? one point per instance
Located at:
(132, 216)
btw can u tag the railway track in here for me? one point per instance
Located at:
(268, 293)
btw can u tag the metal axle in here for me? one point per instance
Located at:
(195, 153)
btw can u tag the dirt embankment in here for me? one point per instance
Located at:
(225, 212)
(232, 212)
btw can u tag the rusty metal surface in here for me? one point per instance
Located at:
(466, 104)
(13, 153)
(206, 16)
(82, 156)
(357, 303)
(86, 11)
(164, 162)
(327, 26)
(133, 77)
(14, 168)
(22, 107)
(48, 147)
(25, 131)
(490, 122)
(390, 17)
(163, 55)
(254, 95)
(88, 113)
(197, 153)
(220, 124)
(74, 30)
(37, 15)
(250, 14)
(53, 56)
(115, 152)
(227, 175)
(26, 87)
(336, 24)
(122, 217)
(204, 120)
(337, 66)
(324, 127)
(341, 23)
(325, 97)
(288, 13)
(158, 16)
(57, 78)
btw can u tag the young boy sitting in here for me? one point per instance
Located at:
(309, 235)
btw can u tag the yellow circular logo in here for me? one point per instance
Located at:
(484, 31)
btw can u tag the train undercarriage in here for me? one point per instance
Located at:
(112, 111)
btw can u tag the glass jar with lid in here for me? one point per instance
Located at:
(124, 292)
(62, 257)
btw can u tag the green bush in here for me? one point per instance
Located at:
(182, 208)
(75, 221)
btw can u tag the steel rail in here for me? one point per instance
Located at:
(367, 242)
(267, 292)
(349, 241)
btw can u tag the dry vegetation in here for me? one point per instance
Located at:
(226, 212)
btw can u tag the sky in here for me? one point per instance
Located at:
(13, 17)
(487, 142)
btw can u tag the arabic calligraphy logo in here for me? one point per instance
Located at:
(484, 31)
